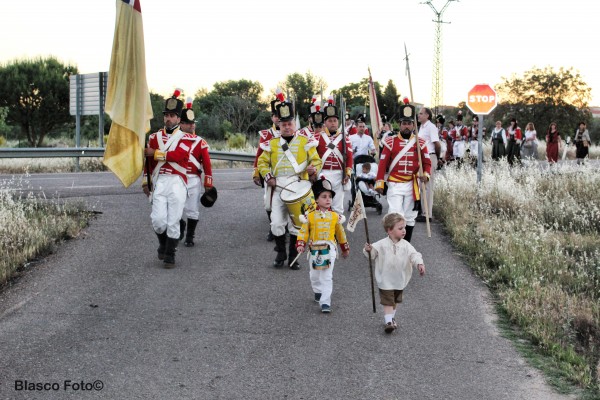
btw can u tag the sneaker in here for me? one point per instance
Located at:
(389, 327)
(325, 308)
(317, 297)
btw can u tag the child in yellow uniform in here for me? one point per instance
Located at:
(321, 231)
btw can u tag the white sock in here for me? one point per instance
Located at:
(388, 318)
(393, 314)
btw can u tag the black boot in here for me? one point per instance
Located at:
(293, 253)
(181, 229)
(191, 229)
(409, 230)
(270, 236)
(280, 249)
(162, 244)
(170, 252)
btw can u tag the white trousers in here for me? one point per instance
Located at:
(427, 200)
(458, 150)
(168, 200)
(474, 146)
(192, 204)
(321, 280)
(400, 200)
(280, 216)
(335, 177)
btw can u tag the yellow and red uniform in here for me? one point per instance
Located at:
(264, 137)
(323, 227)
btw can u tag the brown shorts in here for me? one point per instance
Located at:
(390, 297)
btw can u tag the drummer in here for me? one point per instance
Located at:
(336, 160)
(286, 159)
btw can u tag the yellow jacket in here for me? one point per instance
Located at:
(323, 227)
(274, 163)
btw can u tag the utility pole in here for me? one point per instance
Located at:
(437, 87)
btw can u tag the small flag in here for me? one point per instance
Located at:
(376, 123)
(357, 213)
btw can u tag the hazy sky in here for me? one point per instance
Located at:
(195, 43)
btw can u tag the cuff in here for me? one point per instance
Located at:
(345, 246)
(208, 181)
(268, 176)
(348, 171)
(379, 184)
(300, 243)
(160, 155)
(255, 173)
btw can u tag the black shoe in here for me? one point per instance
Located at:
(317, 297)
(181, 229)
(190, 233)
(162, 244)
(270, 237)
(295, 266)
(170, 253)
(421, 218)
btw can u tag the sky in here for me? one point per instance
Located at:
(194, 43)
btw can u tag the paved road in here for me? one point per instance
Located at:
(225, 325)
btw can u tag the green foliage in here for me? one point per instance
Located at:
(236, 140)
(237, 102)
(543, 96)
(390, 102)
(301, 89)
(36, 93)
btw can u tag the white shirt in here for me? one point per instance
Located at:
(530, 135)
(429, 132)
(361, 144)
(394, 263)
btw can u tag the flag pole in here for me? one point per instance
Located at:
(418, 146)
(370, 268)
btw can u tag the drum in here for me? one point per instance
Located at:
(299, 199)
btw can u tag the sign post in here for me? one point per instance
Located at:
(481, 100)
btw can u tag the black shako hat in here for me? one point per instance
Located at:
(173, 104)
(285, 111)
(440, 118)
(279, 98)
(187, 115)
(322, 185)
(407, 112)
(209, 197)
(330, 109)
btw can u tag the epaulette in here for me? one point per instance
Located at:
(189, 136)
(203, 144)
(389, 142)
(341, 218)
(264, 134)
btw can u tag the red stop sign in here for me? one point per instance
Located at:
(482, 99)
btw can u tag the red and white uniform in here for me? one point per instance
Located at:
(169, 178)
(400, 161)
(199, 162)
(459, 135)
(264, 137)
(331, 151)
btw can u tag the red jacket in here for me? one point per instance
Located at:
(407, 168)
(199, 157)
(176, 159)
(333, 161)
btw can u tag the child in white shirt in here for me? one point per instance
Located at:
(394, 261)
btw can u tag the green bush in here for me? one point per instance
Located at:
(2, 141)
(236, 140)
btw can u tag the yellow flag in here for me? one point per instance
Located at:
(127, 97)
(357, 213)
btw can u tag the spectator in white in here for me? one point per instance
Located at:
(429, 133)
(362, 144)
(365, 177)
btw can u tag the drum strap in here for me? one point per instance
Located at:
(332, 146)
(298, 168)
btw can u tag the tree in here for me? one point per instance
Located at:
(542, 96)
(356, 95)
(237, 102)
(390, 102)
(302, 88)
(36, 93)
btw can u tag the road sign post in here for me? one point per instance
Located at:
(481, 100)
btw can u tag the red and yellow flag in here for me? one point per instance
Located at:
(127, 97)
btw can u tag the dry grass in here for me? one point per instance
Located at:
(30, 226)
(533, 235)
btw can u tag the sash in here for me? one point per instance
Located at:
(332, 147)
(402, 152)
(193, 158)
(169, 145)
(298, 168)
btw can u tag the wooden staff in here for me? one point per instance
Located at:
(370, 267)
(418, 145)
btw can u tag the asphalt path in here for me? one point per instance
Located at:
(101, 318)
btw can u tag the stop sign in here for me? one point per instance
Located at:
(482, 99)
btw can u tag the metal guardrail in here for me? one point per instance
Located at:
(53, 152)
